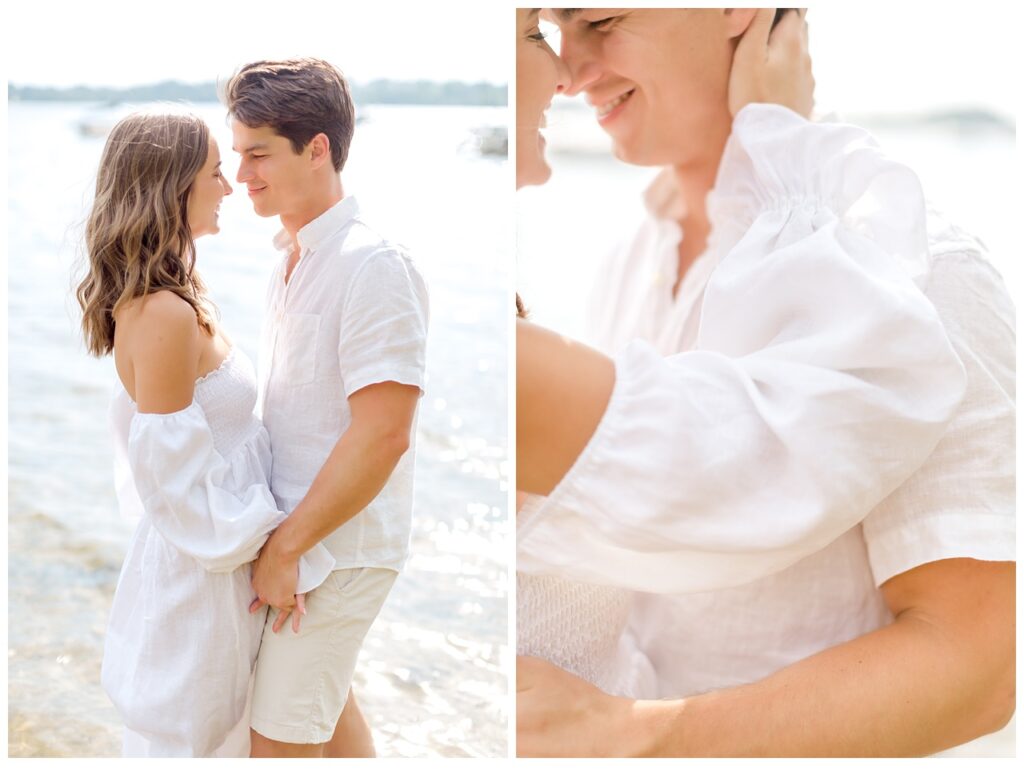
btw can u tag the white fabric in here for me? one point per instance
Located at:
(820, 378)
(960, 502)
(303, 680)
(181, 644)
(353, 313)
(580, 627)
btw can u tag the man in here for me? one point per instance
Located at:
(342, 369)
(898, 636)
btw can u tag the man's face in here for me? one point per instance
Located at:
(657, 78)
(277, 178)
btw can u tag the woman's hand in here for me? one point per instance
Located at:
(773, 66)
(296, 613)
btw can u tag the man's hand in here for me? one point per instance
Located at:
(274, 579)
(773, 66)
(561, 715)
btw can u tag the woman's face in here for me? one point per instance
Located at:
(539, 74)
(209, 187)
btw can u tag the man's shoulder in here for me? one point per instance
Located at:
(960, 261)
(362, 245)
(945, 236)
(971, 299)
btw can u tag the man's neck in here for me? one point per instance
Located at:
(313, 208)
(694, 181)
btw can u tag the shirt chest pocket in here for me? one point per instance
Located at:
(296, 348)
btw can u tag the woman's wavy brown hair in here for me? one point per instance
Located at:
(137, 236)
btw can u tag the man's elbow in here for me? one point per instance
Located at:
(391, 442)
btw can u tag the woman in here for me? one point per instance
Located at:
(192, 459)
(576, 625)
(644, 458)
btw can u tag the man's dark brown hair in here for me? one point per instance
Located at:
(298, 98)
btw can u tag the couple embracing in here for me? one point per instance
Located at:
(772, 512)
(274, 517)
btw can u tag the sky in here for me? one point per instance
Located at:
(118, 43)
(868, 55)
(907, 56)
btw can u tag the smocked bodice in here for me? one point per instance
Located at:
(227, 396)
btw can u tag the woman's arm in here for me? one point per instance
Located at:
(941, 674)
(562, 389)
(183, 482)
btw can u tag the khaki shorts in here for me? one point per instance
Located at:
(302, 680)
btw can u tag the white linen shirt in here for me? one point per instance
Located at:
(750, 588)
(353, 313)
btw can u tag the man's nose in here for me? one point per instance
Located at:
(243, 173)
(583, 67)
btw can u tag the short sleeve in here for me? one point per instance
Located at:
(383, 333)
(962, 502)
(196, 501)
(822, 378)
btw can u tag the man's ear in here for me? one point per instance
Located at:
(737, 20)
(320, 147)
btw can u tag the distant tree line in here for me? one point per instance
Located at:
(374, 92)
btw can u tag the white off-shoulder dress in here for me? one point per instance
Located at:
(181, 643)
(815, 378)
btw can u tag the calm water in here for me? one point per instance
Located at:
(432, 678)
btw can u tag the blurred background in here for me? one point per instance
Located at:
(938, 86)
(428, 165)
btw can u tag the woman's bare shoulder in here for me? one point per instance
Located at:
(157, 346)
(160, 318)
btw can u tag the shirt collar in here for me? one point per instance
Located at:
(323, 227)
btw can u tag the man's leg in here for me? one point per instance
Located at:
(352, 736)
(265, 747)
(302, 682)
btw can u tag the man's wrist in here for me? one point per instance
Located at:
(656, 728)
(284, 546)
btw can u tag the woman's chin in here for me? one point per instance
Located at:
(537, 173)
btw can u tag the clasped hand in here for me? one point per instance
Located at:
(274, 579)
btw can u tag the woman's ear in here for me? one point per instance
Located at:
(737, 20)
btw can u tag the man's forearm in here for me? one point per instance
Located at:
(908, 689)
(354, 473)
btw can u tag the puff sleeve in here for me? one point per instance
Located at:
(219, 512)
(822, 378)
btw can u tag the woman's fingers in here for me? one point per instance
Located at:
(748, 61)
(751, 48)
(789, 35)
(280, 620)
(257, 603)
(300, 605)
